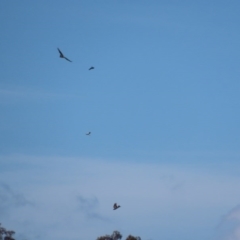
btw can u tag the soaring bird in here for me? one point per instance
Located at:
(88, 133)
(62, 56)
(91, 68)
(115, 206)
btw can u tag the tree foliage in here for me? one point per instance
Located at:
(6, 233)
(116, 236)
(130, 237)
(106, 237)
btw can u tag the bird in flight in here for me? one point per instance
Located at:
(88, 133)
(62, 56)
(91, 68)
(115, 206)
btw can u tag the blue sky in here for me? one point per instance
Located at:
(162, 104)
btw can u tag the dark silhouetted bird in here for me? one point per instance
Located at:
(62, 56)
(115, 206)
(91, 68)
(88, 133)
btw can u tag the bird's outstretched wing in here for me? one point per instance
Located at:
(67, 59)
(91, 68)
(61, 54)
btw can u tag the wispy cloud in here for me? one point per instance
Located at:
(73, 197)
(89, 207)
(229, 228)
(11, 199)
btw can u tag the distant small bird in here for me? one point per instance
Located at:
(62, 56)
(91, 68)
(115, 206)
(88, 133)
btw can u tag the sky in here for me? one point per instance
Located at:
(162, 105)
